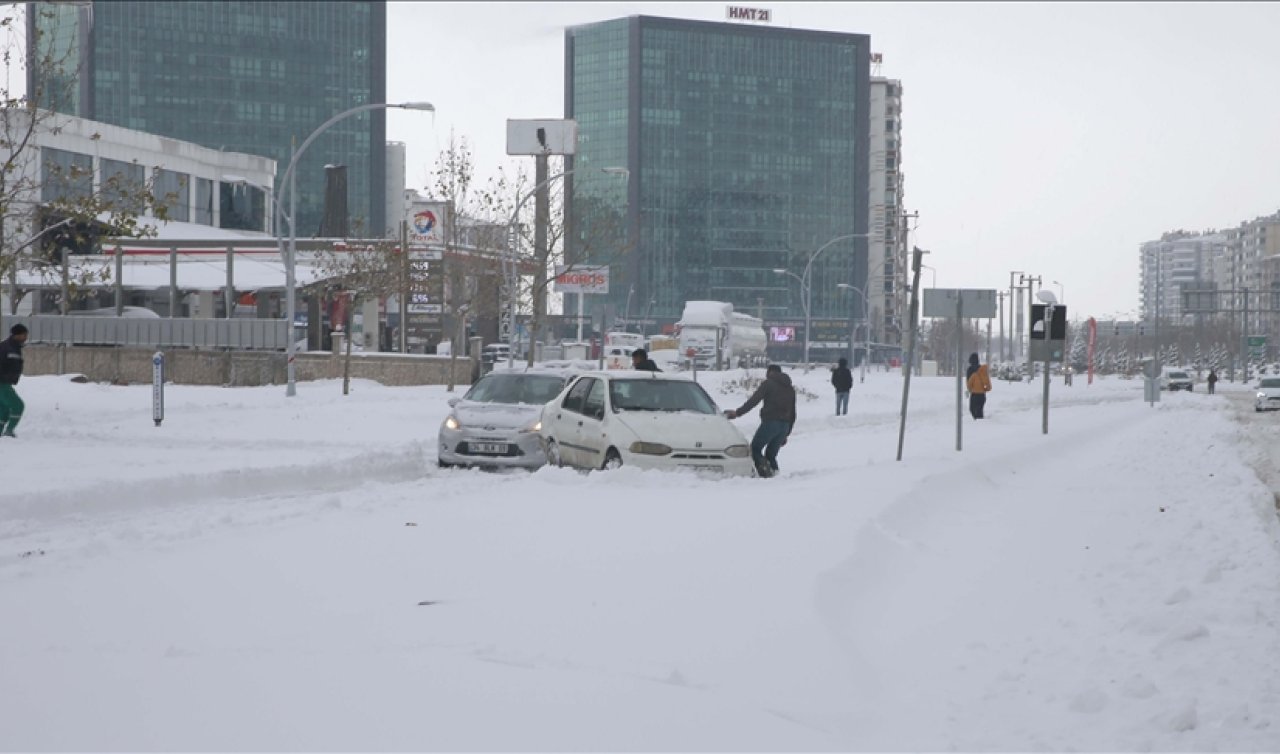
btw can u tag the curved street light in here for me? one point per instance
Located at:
(866, 318)
(806, 286)
(290, 179)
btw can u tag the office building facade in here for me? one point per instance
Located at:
(747, 148)
(888, 285)
(250, 77)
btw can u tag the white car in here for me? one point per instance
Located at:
(1268, 396)
(1176, 379)
(495, 424)
(651, 420)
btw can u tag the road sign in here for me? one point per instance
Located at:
(1257, 346)
(1151, 370)
(975, 303)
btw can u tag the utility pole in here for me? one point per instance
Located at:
(401, 332)
(1013, 352)
(916, 256)
(1001, 295)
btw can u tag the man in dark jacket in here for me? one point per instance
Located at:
(777, 416)
(11, 405)
(640, 361)
(842, 379)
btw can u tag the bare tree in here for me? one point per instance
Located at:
(49, 209)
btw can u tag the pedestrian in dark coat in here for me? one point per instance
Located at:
(11, 406)
(640, 361)
(1212, 380)
(842, 380)
(777, 417)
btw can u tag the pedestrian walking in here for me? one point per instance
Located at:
(640, 361)
(979, 384)
(777, 417)
(842, 380)
(1212, 380)
(11, 405)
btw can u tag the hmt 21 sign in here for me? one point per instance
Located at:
(589, 280)
(739, 13)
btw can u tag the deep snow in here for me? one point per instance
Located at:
(251, 575)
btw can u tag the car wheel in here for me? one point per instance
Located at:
(612, 460)
(553, 454)
(444, 465)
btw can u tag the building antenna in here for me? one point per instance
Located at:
(876, 59)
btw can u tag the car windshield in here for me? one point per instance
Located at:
(659, 395)
(1179, 376)
(533, 389)
(1270, 382)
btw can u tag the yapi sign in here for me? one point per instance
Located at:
(739, 13)
(591, 280)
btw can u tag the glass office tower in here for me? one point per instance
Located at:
(747, 147)
(248, 77)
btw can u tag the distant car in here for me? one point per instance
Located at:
(618, 357)
(1176, 379)
(496, 423)
(1268, 397)
(651, 420)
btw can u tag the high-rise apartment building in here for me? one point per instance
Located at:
(252, 77)
(887, 251)
(747, 147)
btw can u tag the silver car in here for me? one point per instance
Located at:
(1268, 396)
(496, 423)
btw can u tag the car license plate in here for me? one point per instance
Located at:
(708, 468)
(489, 448)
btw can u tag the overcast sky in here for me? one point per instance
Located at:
(1049, 138)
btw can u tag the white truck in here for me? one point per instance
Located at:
(707, 325)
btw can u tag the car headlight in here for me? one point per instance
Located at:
(1262, 395)
(738, 451)
(535, 427)
(650, 448)
(452, 422)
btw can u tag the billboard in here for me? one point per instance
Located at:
(534, 137)
(426, 222)
(590, 280)
(782, 334)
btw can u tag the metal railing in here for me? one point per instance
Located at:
(241, 334)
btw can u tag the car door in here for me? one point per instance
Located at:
(568, 421)
(592, 441)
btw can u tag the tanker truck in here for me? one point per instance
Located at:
(707, 325)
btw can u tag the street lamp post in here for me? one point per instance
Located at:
(290, 179)
(806, 285)
(514, 261)
(1062, 292)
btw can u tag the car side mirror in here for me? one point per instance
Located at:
(453, 402)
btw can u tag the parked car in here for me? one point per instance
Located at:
(1268, 397)
(496, 423)
(653, 420)
(1176, 379)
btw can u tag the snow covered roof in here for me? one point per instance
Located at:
(195, 272)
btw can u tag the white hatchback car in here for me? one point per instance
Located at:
(652, 420)
(1268, 396)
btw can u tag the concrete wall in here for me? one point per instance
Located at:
(239, 368)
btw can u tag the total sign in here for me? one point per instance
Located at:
(426, 223)
(590, 280)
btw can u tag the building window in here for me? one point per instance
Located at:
(173, 190)
(123, 184)
(241, 207)
(204, 202)
(65, 175)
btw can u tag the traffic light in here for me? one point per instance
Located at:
(1057, 328)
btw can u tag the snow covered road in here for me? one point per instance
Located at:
(269, 574)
